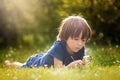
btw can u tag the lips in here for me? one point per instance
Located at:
(76, 49)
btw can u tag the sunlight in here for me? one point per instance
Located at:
(21, 11)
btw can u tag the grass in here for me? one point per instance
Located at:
(104, 66)
(86, 73)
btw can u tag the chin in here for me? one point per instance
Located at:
(76, 51)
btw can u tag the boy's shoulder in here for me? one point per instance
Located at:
(59, 43)
(58, 46)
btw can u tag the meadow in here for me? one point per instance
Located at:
(105, 65)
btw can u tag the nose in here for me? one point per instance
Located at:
(80, 42)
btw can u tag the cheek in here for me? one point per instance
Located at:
(70, 43)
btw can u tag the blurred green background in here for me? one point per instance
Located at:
(35, 22)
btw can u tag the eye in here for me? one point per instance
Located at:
(76, 38)
(84, 40)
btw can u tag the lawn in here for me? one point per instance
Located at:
(86, 73)
(104, 66)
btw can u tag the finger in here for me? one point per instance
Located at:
(80, 62)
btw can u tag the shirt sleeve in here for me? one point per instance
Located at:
(57, 50)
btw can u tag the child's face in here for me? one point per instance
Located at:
(75, 44)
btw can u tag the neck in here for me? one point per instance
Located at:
(69, 50)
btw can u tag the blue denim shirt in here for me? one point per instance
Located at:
(58, 50)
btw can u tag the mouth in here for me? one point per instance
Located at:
(77, 49)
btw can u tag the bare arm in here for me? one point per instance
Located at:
(57, 63)
(76, 63)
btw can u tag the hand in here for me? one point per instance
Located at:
(76, 63)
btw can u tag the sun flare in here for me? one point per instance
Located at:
(21, 11)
